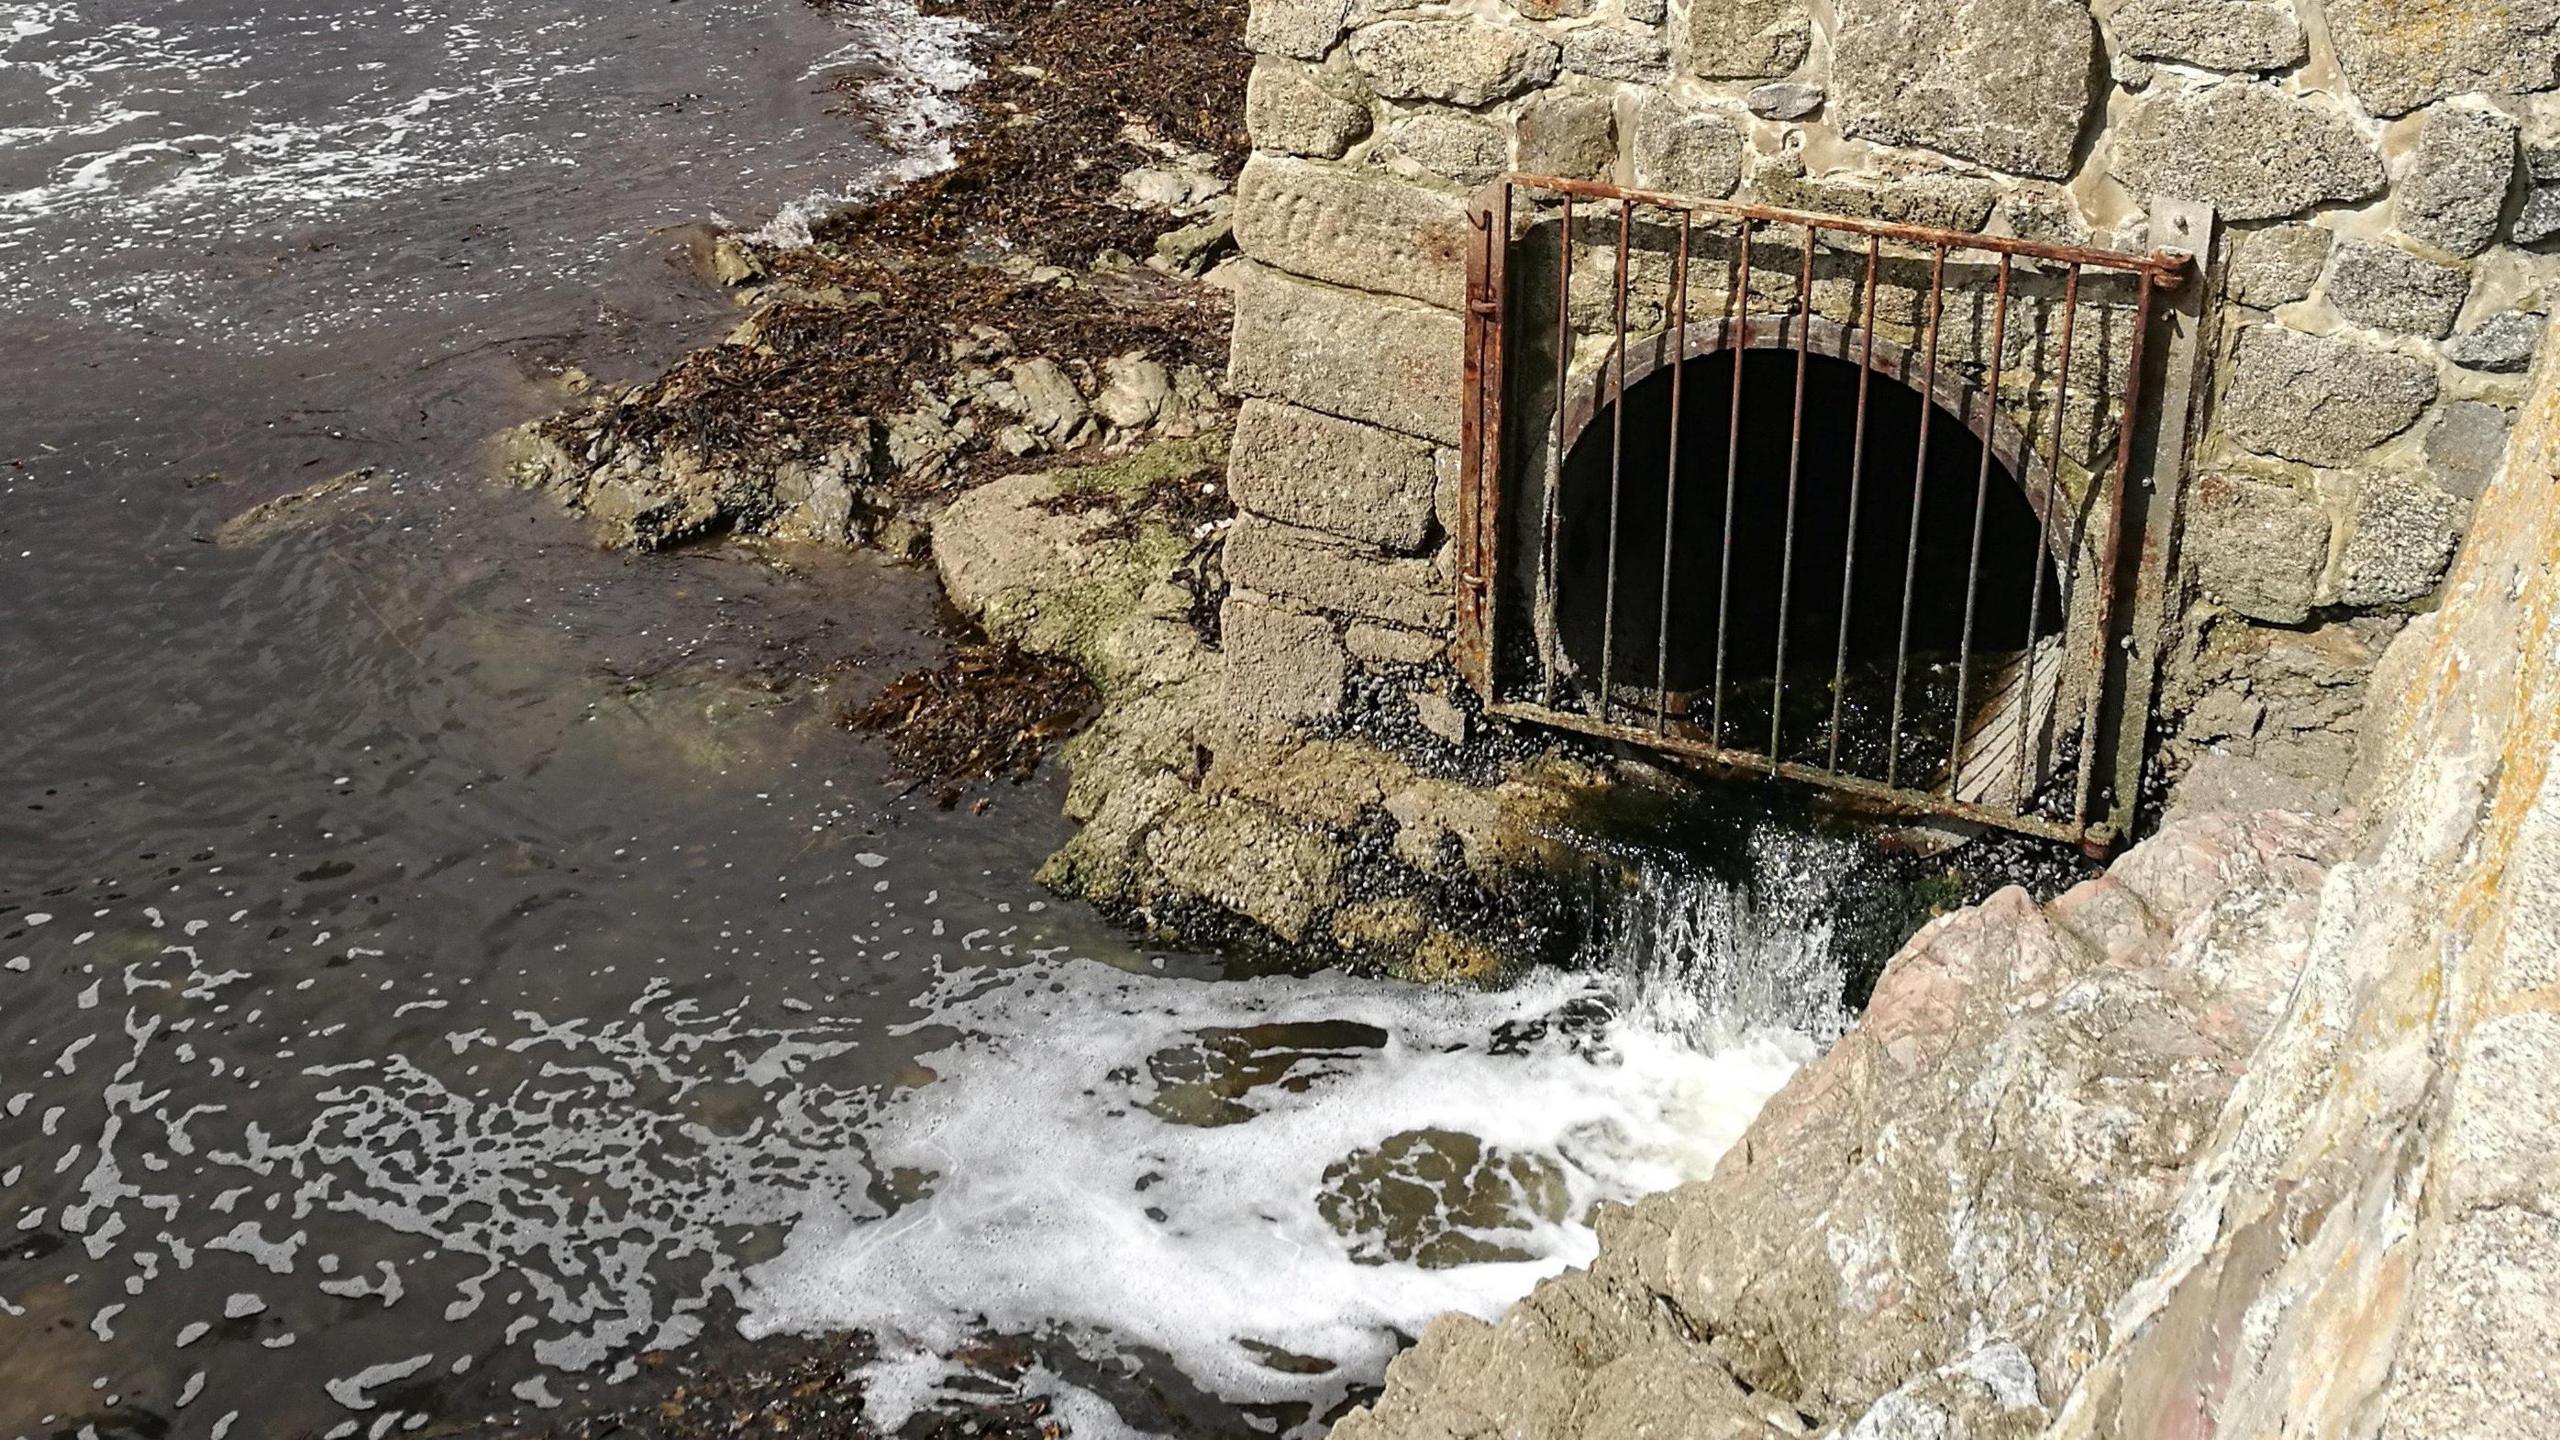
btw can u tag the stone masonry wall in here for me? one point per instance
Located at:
(2389, 171)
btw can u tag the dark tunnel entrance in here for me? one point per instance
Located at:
(1619, 626)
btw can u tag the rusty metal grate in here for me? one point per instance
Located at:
(1609, 587)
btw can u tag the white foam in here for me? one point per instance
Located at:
(912, 103)
(1062, 1206)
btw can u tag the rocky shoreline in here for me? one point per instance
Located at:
(1015, 369)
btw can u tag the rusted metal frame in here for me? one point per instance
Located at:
(1550, 662)
(1981, 507)
(1919, 486)
(1857, 473)
(2110, 560)
(1795, 467)
(1481, 443)
(2178, 379)
(1671, 483)
(1915, 801)
(2167, 268)
(2044, 532)
(1737, 328)
(1617, 457)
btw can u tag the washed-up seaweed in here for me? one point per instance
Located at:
(988, 713)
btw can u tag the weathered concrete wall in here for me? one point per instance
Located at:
(2250, 1137)
(2384, 166)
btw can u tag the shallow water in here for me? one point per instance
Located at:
(440, 961)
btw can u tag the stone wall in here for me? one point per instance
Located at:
(2385, 169)
(2249, 1137)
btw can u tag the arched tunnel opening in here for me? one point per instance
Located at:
(1737, 589)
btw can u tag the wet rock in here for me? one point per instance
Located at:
(2388, 288)
(2250, 150)
(1746, 39)
(2401, 54)
(1784, 100)
(2405, 530)
(1315, 471)
(2278, 265)
(1332, 574)
(1573, 136)
(1302, 29)
(1284, 668)
(2457, 179)
(1256, 862)
(1462, 62)
(1364, 231)
(2260, 546)
(735, 263)
(2503, 344)
(1686, 151)
(2466, 445)
(296, 510)
(1610, 52)
(2008, 83)
(1440, 1199)
(1452, 144)
(2322, 400)
(1390, 363)
(1293, 109)
(2214, 34)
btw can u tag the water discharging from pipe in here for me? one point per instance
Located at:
(1273, 1181)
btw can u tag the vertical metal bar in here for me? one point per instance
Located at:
(1919, 488)
(1737, 342)
(1617, 455)
(2044, 533)
(1494, 498)
(1857, 472)
(1981, 505)
(1671, 483)
(1468, 648)
(1555, 465)
(2109, 558)
(1795, 467)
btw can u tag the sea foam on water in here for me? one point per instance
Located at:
(1276, 1182)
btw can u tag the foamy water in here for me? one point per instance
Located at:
(134, 147)
(1268, 1184)
(1067, 1196)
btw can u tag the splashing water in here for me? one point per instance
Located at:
(1712, 960)
(1275, 1182)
